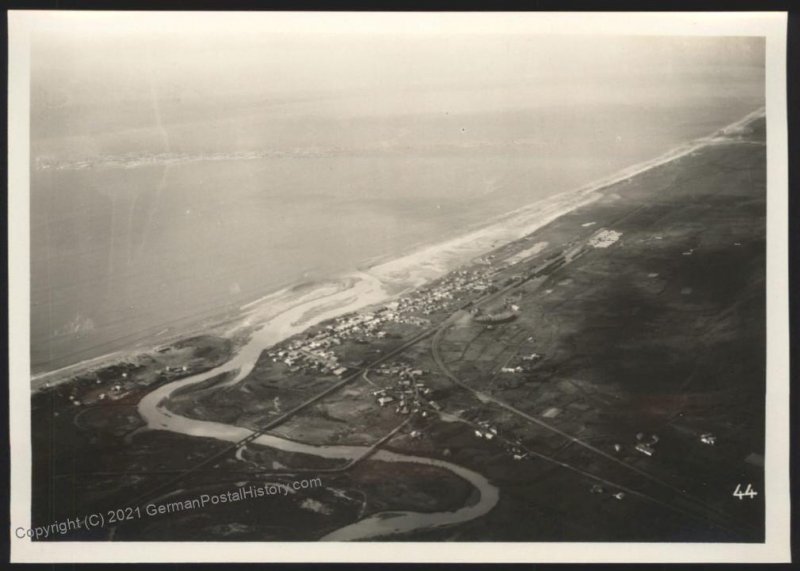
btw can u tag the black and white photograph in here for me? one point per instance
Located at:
(289, 286)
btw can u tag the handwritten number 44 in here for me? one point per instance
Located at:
(749, 492)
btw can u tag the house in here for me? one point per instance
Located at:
(383, 401)
(708, 438)
(551, 412)
(645, 449)
(340, 371)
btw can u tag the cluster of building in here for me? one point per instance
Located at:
(708, 438)
(408, 393)
(645, 443)
(516, 369)
(439, 296)
(521, 364)
(102, 390)
(399, 312)
(309, 355)
(315, 353)
(485, 430)
(512, 446)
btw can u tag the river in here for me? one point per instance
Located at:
(351, 296)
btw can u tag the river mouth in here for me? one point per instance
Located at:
(154, 409)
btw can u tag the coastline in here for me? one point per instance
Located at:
(384, 279)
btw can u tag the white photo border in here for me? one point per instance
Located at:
(776, 548)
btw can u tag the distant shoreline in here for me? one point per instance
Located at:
(398, 274)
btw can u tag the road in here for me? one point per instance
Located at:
(720, 519)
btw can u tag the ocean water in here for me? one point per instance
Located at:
(141, 233)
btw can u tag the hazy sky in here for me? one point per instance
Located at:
(93, 72)
(122, 56)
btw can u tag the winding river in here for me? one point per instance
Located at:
(362, 291)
